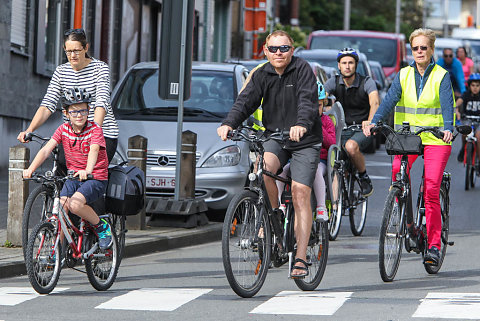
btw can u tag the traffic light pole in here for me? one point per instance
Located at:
(181, 88)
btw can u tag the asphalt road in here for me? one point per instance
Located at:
(189, 283)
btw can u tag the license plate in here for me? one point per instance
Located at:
(160, 182)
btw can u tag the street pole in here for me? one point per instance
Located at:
(397, 16)
(477, 21)
(180, 99)
(445, 16)
(346, 15)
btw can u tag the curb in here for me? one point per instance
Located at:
(152, 244)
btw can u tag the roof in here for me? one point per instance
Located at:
(358, 33)
(196, 65)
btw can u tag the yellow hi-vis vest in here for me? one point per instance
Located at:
(426, 111)
(258, 113)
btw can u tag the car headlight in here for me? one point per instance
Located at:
(228, 156)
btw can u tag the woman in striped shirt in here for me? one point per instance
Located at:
(85, 72)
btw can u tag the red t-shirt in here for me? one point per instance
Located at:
(77, 147)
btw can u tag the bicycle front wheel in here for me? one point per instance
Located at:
(101, 265)
(445, 207)
(335, 181)
(358, 209)
(37, 209)
(391, 234)
(246, 244)
(317, 255)
(469, 172)
(43, 258)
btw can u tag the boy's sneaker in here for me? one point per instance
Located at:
(366, 185)
(322, 214)
(104, 233)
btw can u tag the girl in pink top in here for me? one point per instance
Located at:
(467, 63)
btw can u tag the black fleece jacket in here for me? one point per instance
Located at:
(288, 100)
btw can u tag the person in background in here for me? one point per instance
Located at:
(467, 63)
(454, 68)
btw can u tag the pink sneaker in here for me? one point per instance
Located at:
(322, 214)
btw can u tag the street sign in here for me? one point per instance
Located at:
(170, 49)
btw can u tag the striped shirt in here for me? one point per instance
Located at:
(77, 147)
(95, 79)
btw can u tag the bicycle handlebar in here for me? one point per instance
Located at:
(30, 136)
(48, 176)
(241, 133)
(462, 129)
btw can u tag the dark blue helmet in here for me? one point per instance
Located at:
(347, 52)
(473, 77)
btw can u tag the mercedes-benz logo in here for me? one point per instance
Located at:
(162, 160)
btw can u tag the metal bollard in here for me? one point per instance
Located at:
(137, 156)
(19, 157)
(189, 161)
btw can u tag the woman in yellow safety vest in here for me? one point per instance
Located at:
(422, 95)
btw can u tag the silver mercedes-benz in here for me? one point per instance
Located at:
(221, 167)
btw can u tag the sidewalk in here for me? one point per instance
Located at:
(153, 239)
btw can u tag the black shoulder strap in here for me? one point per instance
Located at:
(339, 90)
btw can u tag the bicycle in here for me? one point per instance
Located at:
(470, 160)
(44, 250)
(39, 204)
(254, 235)
(346, 192)
(398, 205)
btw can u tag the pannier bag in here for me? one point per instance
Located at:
(125, 191)
(403, 144)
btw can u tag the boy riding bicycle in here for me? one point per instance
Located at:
(85, 153)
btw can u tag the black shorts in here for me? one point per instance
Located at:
(358, 136)
(303, 162)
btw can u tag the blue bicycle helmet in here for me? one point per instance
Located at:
(75, 95)
(473, 77)
(321, 91)
(347, 52)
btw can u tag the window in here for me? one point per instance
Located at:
(18, 34)
(53, 17)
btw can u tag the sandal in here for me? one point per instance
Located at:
(303, 268)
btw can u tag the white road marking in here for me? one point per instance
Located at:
(378, 164)
(149, 299)
(16, 295)
(449, 306)
(304, 303)
(379, 177)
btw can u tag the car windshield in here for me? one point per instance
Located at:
(332, 62)
(211, 97)
(373, 48)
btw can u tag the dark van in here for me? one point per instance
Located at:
(384, 47)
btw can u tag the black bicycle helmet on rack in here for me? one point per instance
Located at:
(75, 95)
(347, 52)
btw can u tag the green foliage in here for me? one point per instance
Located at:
(8, 244)
(299, 37)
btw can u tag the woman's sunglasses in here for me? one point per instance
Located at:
(423, 48)
(74, 31)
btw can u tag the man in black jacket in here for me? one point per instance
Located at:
(288, 88)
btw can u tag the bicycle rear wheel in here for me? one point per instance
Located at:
(246, 245)
(317, 255)
(37, 209)
(469, 172)
(335, 181)
(101, 265)
(391, 234)
(358, 208)
(43, 258)
(118, 224)
(445, 208)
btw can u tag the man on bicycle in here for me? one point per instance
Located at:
(359, 98)
(289, 91)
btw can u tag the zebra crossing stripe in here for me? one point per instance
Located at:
(449, 306)
(15, 295)
(303, 303)
(150, 299)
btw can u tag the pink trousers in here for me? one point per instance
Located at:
(435, 160)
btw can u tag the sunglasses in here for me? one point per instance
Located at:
(448, 56)
(284, 48)
(416, 48)
(75, 113)
(74, 31)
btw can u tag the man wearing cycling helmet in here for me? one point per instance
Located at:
(469, 105)
(289, 91)
(359, 98)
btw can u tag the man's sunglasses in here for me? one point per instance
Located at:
(74, 31)
(448, 56)
(423, 48)
(284, 48)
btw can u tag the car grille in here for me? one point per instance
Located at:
(169, 192)
(165, 158)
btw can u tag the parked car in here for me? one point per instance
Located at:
(379, 76)
(221, 167)
(409, 55)
(384, 47)
(248, 63)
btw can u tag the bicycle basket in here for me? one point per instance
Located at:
(403, 144)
